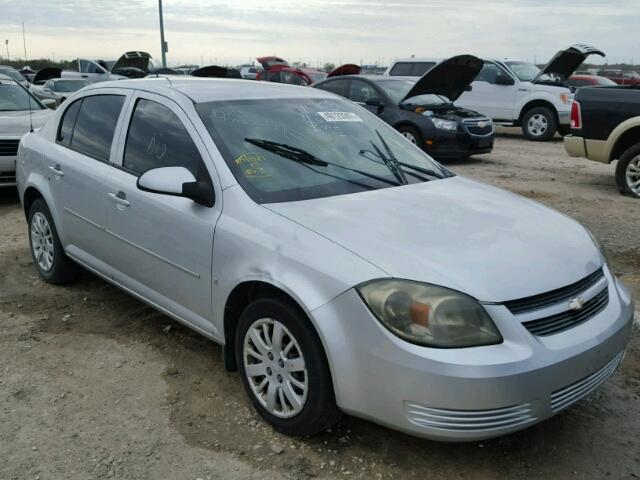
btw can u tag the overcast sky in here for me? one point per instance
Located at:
(318, 31)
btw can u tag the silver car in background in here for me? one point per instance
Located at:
(341, 268)
(58, 89)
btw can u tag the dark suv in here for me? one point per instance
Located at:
(423, 110)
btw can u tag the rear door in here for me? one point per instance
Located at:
(162, 244)
(78, 164)
(490, 98)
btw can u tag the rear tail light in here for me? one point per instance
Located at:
(576, 116)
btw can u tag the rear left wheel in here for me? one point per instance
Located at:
(284, 368)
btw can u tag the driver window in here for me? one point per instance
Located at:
(157, 138)
(361, 92)
(489, 73)
(84, 66)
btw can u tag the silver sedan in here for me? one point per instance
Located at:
(341, 268)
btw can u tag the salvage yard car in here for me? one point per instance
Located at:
(381, 285)
(17, 117)
(58, 89)
(605, 126)
(423, 111)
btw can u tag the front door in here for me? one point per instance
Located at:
(163, 244)
(488, 97)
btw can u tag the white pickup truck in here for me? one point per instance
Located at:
(129, 65)
(520, 94)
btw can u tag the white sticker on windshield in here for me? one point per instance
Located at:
(340, 116)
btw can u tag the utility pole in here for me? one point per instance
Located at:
(6, 44)
(164, 48)
(24, 43)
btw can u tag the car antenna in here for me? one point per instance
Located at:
(30, 111)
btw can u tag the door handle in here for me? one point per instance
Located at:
(57, 171)
(120, 198)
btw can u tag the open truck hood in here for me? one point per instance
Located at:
(449, 78)
(268, 62)
(46, 74)
(129, 60)
(567, 61)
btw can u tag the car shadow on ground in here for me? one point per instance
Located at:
(8, 196)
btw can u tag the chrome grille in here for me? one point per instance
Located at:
(563, 398)
(9, 148)
(480, 127)
(469, 420)
(536, 302)
(569, 319)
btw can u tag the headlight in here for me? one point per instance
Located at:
(445, 124)
(429, 315)
(600, 247)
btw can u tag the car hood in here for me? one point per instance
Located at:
(46, 74)
(268, 62)
(449, 78)
(457, 233)
(17, 123)
(567, 61)
(139, 60)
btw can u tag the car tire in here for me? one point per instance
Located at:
(49, 257)
(411, 134)
(628, 172)
(273, 376)
(539, 124)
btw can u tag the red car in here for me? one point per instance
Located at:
(621, 77)
(278, 70)
(589, 81)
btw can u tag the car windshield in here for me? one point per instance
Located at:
(69, 85)
(523, 70)
(14, 98)
(283, 150)
(398, 89)
(12, 74)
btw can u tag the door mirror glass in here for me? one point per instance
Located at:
(176, 181)
(502, 79)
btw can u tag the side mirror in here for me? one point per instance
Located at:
(468, 88)
(49, 103)
(504, 80)
(176, 181)
(375, 102)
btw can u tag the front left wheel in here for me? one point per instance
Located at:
(48, 255)
(284, 368)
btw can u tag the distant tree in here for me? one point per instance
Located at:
(329, 67)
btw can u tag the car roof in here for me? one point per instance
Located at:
(202, 90)
(374, 78)
(417, 60)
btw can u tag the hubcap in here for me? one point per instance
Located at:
(42, 241)
(275, 368)
(633, 175)
(537, 125)
(409, 136)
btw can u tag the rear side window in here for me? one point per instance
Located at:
(410, 69)
(95, 125)
(157, 138)
(401, 69)
(68, 122)
(335, 86)
(420, 68)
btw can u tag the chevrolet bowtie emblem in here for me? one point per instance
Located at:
(576, 303)
(481, 124)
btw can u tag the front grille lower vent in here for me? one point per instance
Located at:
(543, 300)
(9, 148)
(569, 319)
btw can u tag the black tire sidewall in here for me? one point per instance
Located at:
(621, 169)
(63, 270)
(552, 124)
(319, 411)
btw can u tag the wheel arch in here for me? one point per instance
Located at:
(624, 136)
(537, 103)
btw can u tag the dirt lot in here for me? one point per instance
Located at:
(94, 384)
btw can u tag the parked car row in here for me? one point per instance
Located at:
(340, 267)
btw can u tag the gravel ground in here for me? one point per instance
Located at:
(94, 384)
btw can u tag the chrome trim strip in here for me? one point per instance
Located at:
(83, 218)
(153, 254)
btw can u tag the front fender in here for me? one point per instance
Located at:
(552, 98)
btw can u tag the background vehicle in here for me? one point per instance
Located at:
(577, 81)
(14, 74)
(130, 65)
(410, 67)
(520, 94)
(58, 89)
(16, 120)
(621, 77)
(276, 69)
(422, 110)
(250, 72)
(605, 126)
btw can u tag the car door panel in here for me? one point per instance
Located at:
(487, 97)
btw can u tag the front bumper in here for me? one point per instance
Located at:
(446, 145)
(7, 171)
(473, 393)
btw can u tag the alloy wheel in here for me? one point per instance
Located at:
(632, 175)
(409, 136)
(42, 241)
(537, 125)
(275, 368)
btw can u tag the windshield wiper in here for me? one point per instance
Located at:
(302, 156)
(390, 161)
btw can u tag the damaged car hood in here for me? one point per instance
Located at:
(567, 61)
(449, 78)
(129, 60)
(457, 233)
